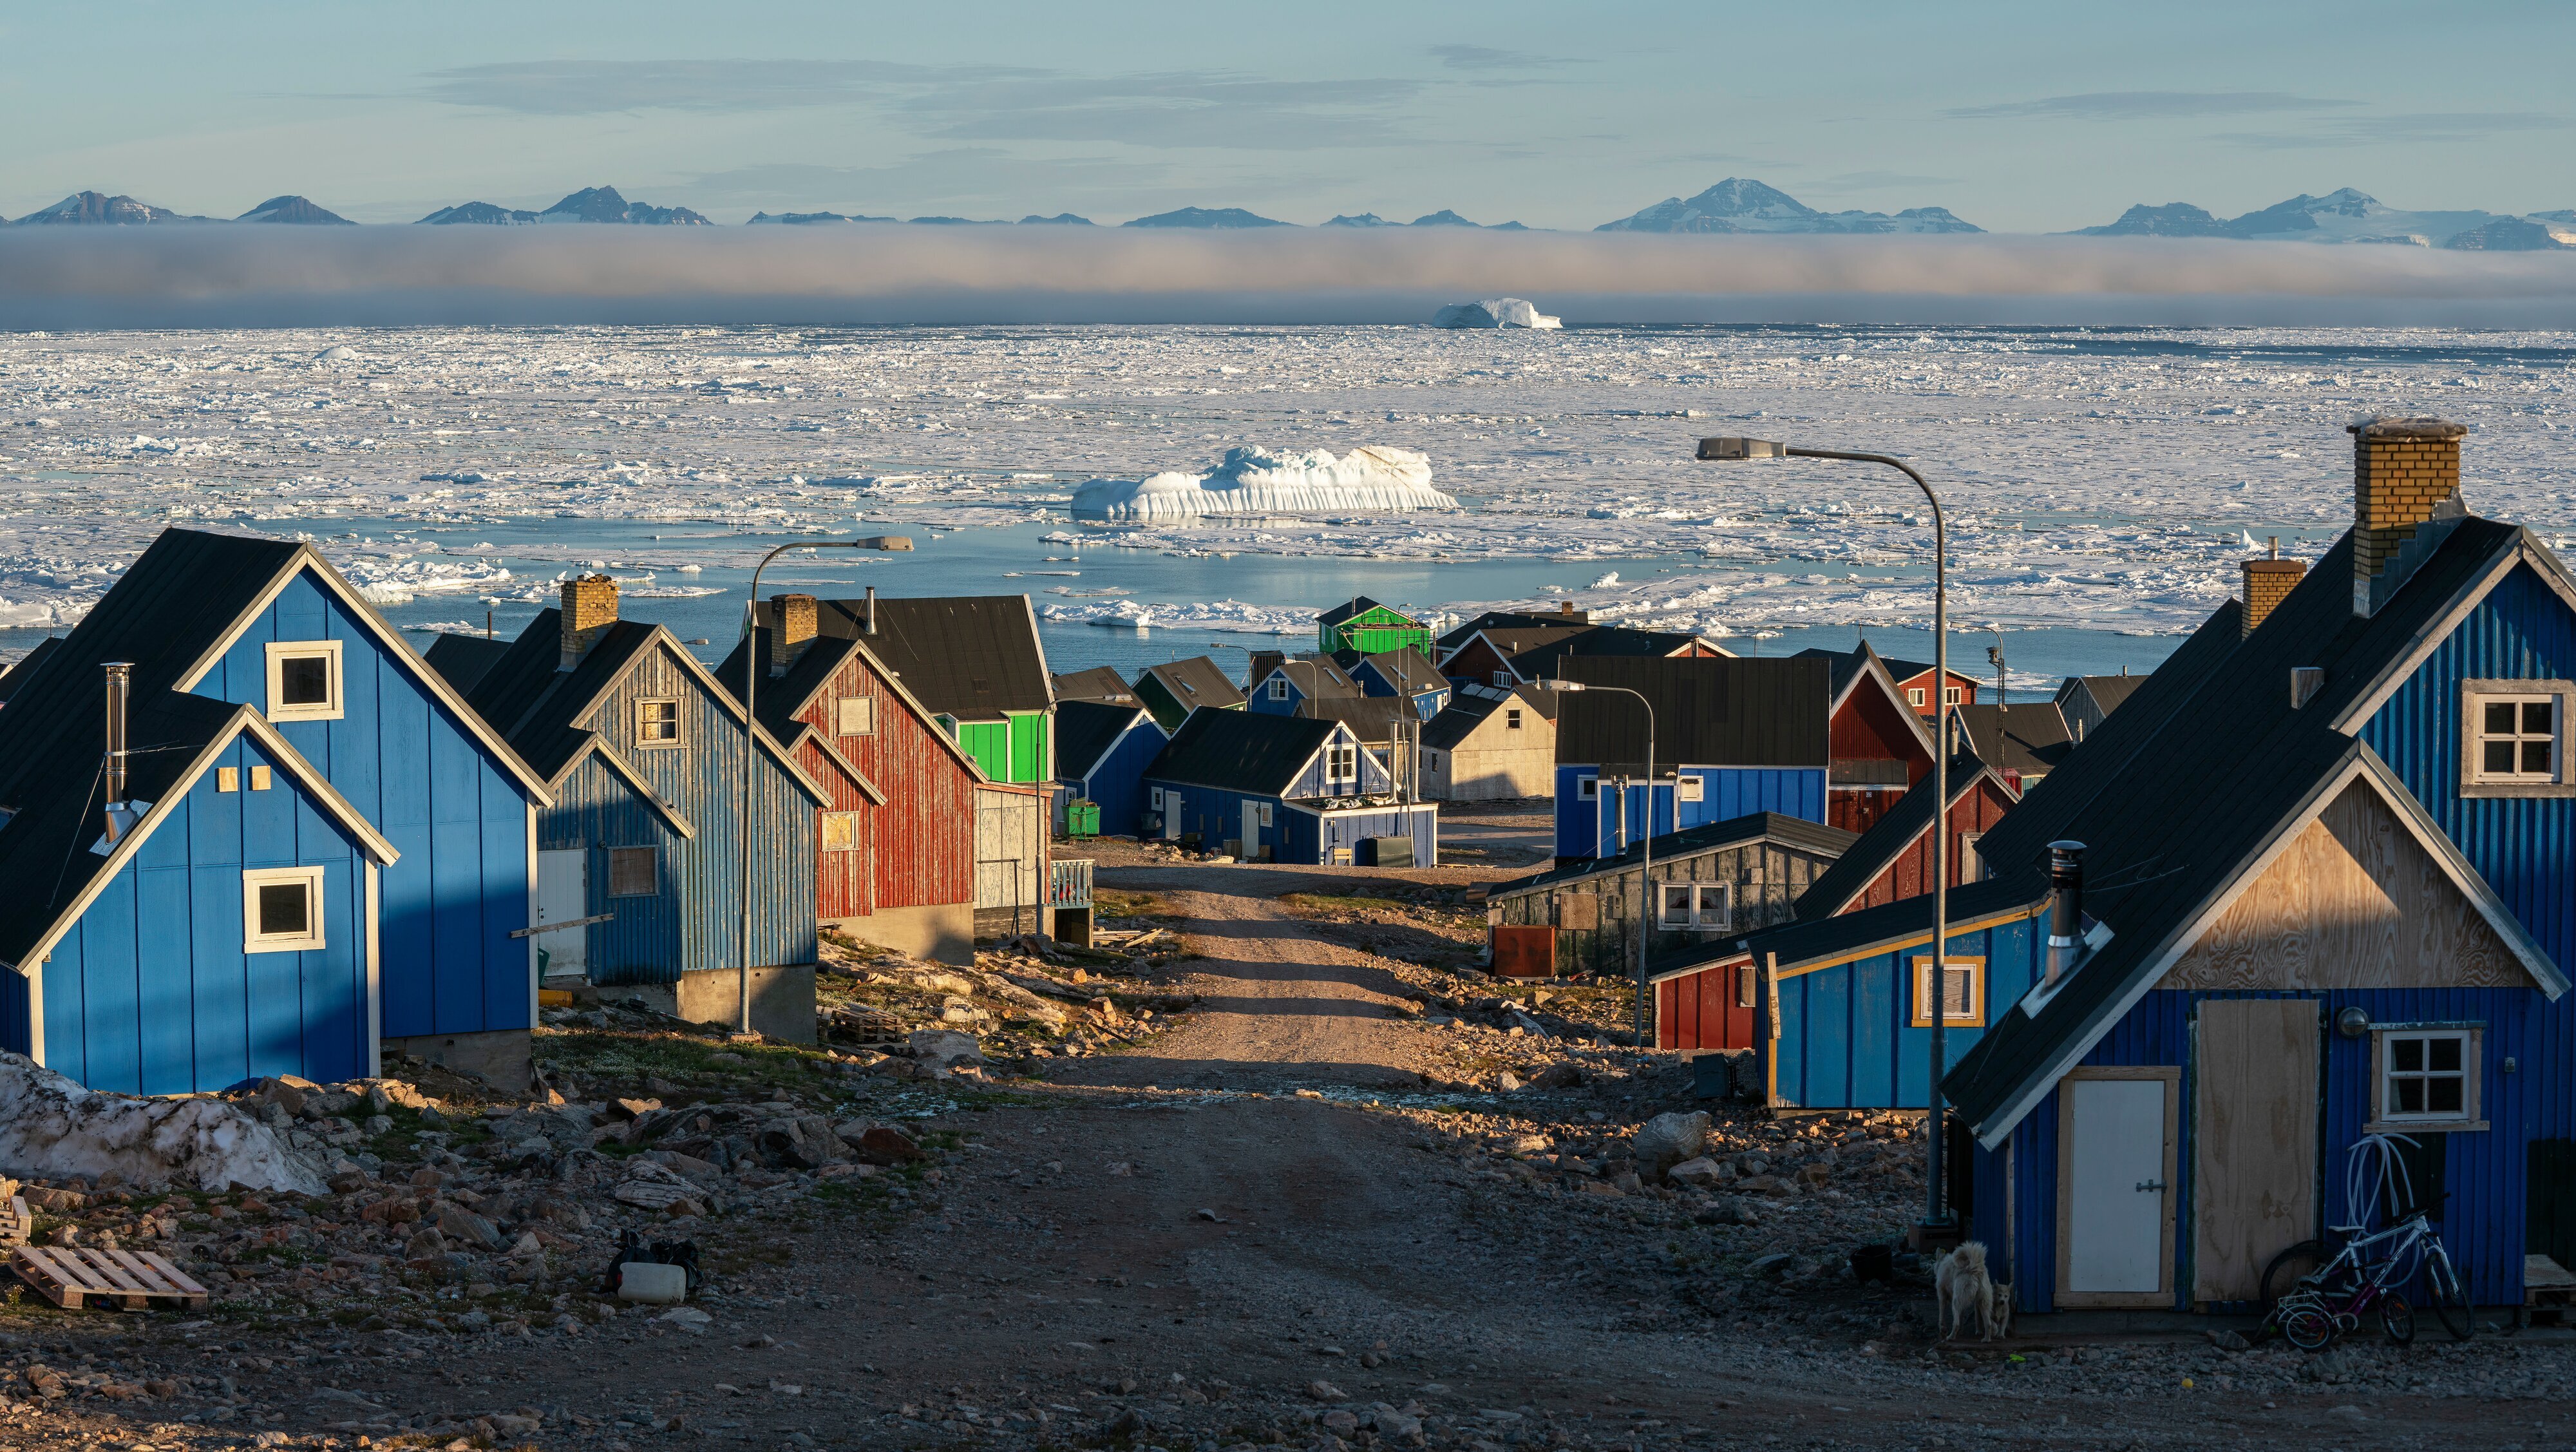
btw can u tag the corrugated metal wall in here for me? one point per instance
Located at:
(1767, 878)
(1118, 782)
(1591, 828)
(448, 905)
(1845, 1041)
(921, 842)
(1910, 875)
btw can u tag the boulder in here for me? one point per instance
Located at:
(1700, 1171)
(944, 1052)
(1667, 1140)
(880, 1145)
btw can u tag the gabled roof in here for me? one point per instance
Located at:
(1242, 751)
(1317, 678)
(1723, 711)
(1814, 942)
(1357, 605)
(967, 657)
(1086, 730)
(1794, 832)
(23, 669)
(173, 738)
(1863, 668)
(781, 698)
(1887, 839)
(463, 659)
(1197, 681)
(178, 608)
(1547, 657)
(1408, 671)
(2107, 691)
(2030, 738)
(1099, 683)
(1458, 635)
(1508, 641)
(1375, 720)
(1474, 704)
(2230, 769)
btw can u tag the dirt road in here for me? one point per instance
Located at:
(1253, 1253)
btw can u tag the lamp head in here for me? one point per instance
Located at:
(1735, 448)
(1556, 683)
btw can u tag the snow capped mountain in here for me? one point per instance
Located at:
(2343, 215)
(808, 219)
(1364, 219)
(92, 209)
(603, 204)
(1741, 204)
(482, 214)
(1206, 217)
(294, 210)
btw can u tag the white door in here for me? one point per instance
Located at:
(563, 894)
(2113, 1167)
(1251, 831)
(1171, 815)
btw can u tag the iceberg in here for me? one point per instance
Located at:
(1493, 312)
(1254, 480)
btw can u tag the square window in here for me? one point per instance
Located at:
(1587, 789)
(633, 872)
(1914, 696)
(1503, 678)
(1512, 719)
(1963, 998)
(282, 910)
(1950, 695)
(1279, 688)
(2428, 1076)
(854, 716)
(2514, 738)
(657, 723)
(304, 680)
(840, 831)
(228, 778)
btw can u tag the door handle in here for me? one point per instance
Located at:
(2146, 1185)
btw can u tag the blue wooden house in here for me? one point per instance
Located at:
(1406, 673)
(639, 854)
(1281, 684)
(1101, 752)
(1731, 737)
(2314, 885)
(1283, 789)
(292, 754)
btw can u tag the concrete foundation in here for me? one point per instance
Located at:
(944, 933)
(501, 1058)
(782, 999)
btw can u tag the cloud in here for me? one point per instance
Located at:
(583, 87)
(950, 173)
(1173, 109)
(2423, 127)
(2147, 105)
(1871, 181)
(1486, 58)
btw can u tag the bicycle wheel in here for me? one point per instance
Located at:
(2289, 1268)
(2442, 1291)
(2309, 1328)
(2397, 1319)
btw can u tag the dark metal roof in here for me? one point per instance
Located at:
(970, 657)
(1241, 751)
(463, 659)
(1408, 671)
(1469, 708)
(2030, 738)
(1889, 838)
(1709, 711)
(1197, 681)
(1545, 658)
(1100, 683)
(1796, 832)
(1085, 730)
(1458, 635)
(1317, 678)
(1813, 940)
(2107, 691)
(2215, 778)
(535, 705)
(23, 669)
(1375, 720)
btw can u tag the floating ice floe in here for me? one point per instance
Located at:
(1254, 480)
(1494, 312)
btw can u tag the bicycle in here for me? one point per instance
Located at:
(2311, 1298)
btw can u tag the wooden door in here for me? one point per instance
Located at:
(2115, 1173)
(2254, 1139)
(563, 895)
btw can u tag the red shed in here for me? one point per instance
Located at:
(898, 841)
(1877, 749)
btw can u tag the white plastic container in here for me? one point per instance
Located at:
(654, 1285)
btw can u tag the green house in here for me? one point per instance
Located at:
(973, 662)
(1363, 625)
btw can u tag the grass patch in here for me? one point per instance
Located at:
(1114, 903)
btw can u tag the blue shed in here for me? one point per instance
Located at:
(1288, 682)
(270, 625)
(1101, 752)
(1284, 789)
(2327, 893)
(1406, 673)
(1731, 737)
(639, 855)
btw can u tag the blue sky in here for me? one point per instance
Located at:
(2019, 117)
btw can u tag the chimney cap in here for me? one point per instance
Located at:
(2397, 427)
(2261, 566)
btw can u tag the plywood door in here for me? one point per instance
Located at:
(563, 894)
(2115, 1169)
(2254, 1140)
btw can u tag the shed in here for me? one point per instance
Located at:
(1364, 625)
(1175, 688)
(1281, 788)
(1490, 744)
(2087, 701)
(1102, 751)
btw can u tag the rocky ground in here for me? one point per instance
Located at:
(1253, 1174)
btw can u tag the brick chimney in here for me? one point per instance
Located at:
(792, 624)
(2405, 499)
(2268, 582)
(589, 608)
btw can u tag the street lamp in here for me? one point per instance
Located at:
(751, 669)
(1647, 912)
(1730, 449)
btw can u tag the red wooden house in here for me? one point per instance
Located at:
(897, 843)
(1877, 749)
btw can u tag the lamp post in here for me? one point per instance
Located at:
(1646, 913)
(1730, 449)
(752, 665)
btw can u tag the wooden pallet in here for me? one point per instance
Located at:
(17, 1222)
(72, 1278)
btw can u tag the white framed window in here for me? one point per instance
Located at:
(1587, 789)
(1342, 762)
(1914, 697)
(2514, 738)
(1503, 679)
(854, 716)
(304, 680)
(1963, 993)
(1154, 798)
(2428, 1076)
(282, 910)
(840, 831)
(1278, 688)
(657, 722)
(1949, 695)
(1693, 789)
(634, 872)
(1512, 719)
(1694, 905)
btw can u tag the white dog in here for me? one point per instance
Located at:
(1965, 1293)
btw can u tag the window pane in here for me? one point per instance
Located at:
(2445, 1055)
(2535, 757)
(2499, 718)
(631, 872)
(304, 680)
(2442, 1096)
(2535, 718)
(2406, 1056)
(2408, 1094)
(1677, 904)
(2496, 756)
(284, 910)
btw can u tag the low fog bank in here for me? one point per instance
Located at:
(188, 276)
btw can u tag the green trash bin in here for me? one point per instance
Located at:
(1081, 818)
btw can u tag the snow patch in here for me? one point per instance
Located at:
(52, 1127)
(1494, 312)
(1254, 480)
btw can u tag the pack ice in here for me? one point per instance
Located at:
(53, 1127)
(1494, 312)
(1253, 480)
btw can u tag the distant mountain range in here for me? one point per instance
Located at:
(1741, 204)
(590, 204)
(2351, 216)
(1442, 218)
(91, 209)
